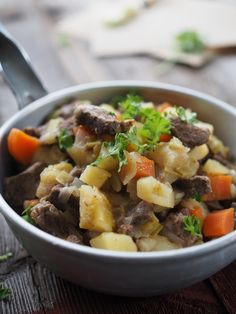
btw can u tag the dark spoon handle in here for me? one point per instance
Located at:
(18, 72)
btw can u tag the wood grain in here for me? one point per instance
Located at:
(34, 288)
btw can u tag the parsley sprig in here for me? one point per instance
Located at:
(65, 139)
(144, 138)
(4, 292)
(190, 42)
(26, 215)
(197, 197)
(114, 149)
(186, 115)
(5, 256)
(192, 224)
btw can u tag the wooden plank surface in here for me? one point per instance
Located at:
(34, 288)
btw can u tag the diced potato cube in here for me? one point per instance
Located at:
(173, 157)
(95, 210)
(94, 176)
(217, 146)
(153, 191)
(51, 132)
(199, 152)
(214, 167)
(114, 242)
(157, 243)
(84, 154)
(151, 228)
(52, 175)
(205, 126)
(109, 163)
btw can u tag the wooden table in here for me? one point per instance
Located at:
(34, 288)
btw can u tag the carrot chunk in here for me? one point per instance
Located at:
(221, 188)
(219, 223)
(197, 212)
(145, 167)
(165, 138)
(162, 107)
(138, 166)
(22, 146)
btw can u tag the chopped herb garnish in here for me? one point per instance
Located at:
(144, 138)
(154, 125)
(130, 106)
(5, 256)
(190, 42)
(115, 149)
(192, 224)
(26, 215)
(197, 197)
(4, 292)
(186, 115)
(65, 139)
(111, 113)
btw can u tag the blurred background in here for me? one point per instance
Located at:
(185, 42)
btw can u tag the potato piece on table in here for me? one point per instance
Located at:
(94, 176)
(153, 191)
(114, 241)
(95, 210)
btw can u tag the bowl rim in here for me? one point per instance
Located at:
(73, 248)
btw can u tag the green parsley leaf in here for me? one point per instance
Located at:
(197, 197)
(115, 149)
(4, 292)
(5, 256)
(192, 224)
(65, 139)
(26, 215)
(130, 106)
(154, 126)
(190, 42)
(186, 115)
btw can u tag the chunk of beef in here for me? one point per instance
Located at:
(174, 229)
(163, 214)
(138, 215)
(32, 131)
(214, 205)
(53, 221)
(99, 120)
(196, 185)
(65, 111)
(23, 186)
(189, 134)
(66, 199)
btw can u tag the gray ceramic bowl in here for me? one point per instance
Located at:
(128, 274)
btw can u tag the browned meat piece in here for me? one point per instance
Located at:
(32, 131)
(224, 161)
(138, 215)
(53, 221)
(174, 229)
(196, 185)
(214, 205)
(65, 111)
(99, 120)
(163, 214)
(189, 134)
(23, 186)
(66, 198)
